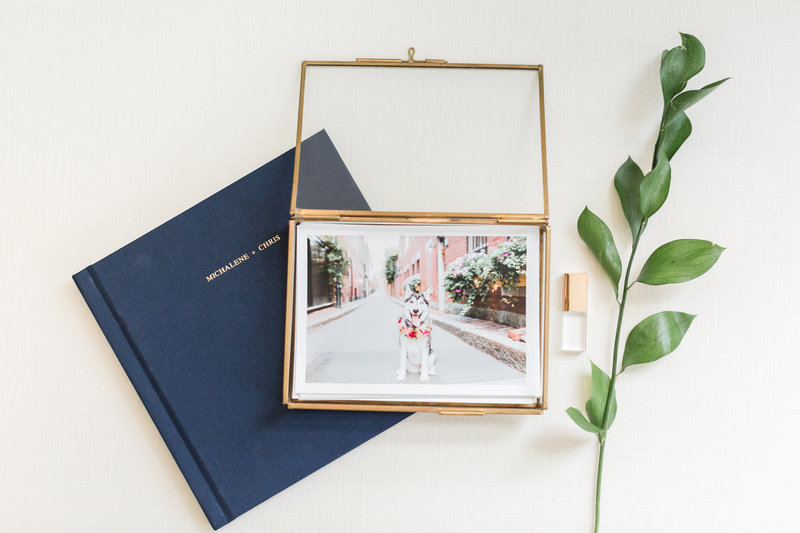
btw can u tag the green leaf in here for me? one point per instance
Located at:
(681, 64)
(679, 261)
(655, 187)
(627, 181)
(579, 419)
(674, 135)
(598, 238)
(596, 406)
(695, 55)
(655, 336)
(671, 73)
(685, 100)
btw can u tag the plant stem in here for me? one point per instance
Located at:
(599, 480)
(612, 386)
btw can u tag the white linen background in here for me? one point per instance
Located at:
(115, 116)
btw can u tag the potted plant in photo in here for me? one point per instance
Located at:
(412, 283)
(336, 263)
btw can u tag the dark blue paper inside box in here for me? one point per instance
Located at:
(195, 312)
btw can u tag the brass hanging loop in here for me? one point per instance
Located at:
(411, 59)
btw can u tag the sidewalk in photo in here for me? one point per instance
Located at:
(485, 335)
(323, 316)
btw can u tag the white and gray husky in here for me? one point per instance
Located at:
(416, 325)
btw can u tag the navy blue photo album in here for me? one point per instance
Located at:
(195, 312)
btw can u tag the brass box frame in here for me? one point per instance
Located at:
(300, 215)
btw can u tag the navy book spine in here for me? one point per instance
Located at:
(206, 493)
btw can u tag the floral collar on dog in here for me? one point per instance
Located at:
(411, 332)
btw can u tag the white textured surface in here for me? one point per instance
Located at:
(116, 116)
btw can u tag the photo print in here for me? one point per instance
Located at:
(418, 313)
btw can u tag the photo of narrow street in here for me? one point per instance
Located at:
(370, 290)
(361, 345)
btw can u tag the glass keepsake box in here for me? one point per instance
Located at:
(428, 289)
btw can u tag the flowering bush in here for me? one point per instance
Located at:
(471, 278)
(467, 278)
(507, 263)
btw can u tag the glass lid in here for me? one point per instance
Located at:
(428, 136)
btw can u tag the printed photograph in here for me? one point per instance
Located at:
(402, 306)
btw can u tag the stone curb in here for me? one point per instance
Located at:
(337, 316)
(513, 358)
(516, 359)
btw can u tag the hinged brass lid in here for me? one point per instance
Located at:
(427, 137)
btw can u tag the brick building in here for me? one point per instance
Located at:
(356, 282)
(427, 258)
(418, 257)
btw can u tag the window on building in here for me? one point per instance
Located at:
(417, 266)
(477, 243)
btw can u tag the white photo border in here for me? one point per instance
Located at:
(486, 392)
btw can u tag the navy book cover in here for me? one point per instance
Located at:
(195, 312)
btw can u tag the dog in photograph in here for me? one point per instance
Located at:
(415, 325)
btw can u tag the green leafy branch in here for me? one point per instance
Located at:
(336, 260)
(390, 267)
(641, 196)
